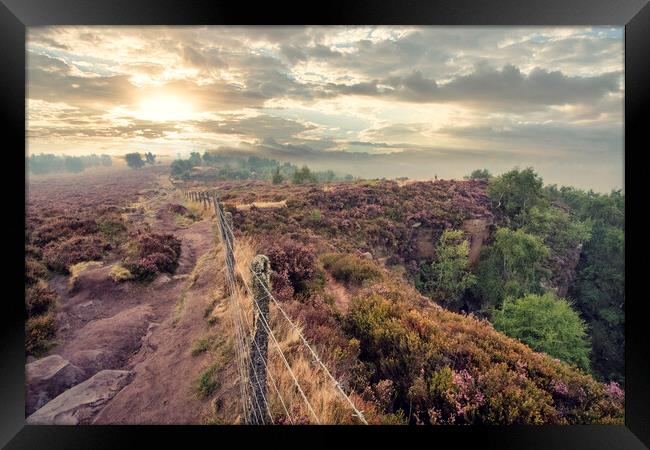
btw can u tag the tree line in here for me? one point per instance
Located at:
(50, 163)
(226, 167)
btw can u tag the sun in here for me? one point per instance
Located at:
(164, 108)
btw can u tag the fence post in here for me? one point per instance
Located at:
(224, 219)
(260, 280)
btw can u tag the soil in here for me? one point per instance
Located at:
(148, 329)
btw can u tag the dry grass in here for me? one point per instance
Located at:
(262, 205)
(328, 405)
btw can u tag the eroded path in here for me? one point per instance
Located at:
(147, 330)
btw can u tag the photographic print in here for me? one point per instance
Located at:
(291, 225)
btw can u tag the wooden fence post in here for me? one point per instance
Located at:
(260, 284)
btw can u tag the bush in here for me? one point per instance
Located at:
(119, 273)
(34, 271)
(62, 227)
(511, 267)
(548, 324)
(60, 255)
(39, 331)
(448, 276)
(293, 266)
(350, 268)
(134, 160)
(112, 228)
(446, 368)
(39, 298)
(150, 253)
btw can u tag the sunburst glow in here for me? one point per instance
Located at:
(164, 108)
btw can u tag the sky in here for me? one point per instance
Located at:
(371, 101)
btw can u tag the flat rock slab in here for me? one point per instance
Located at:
(108, 343)
(48, 377)
(79, 404)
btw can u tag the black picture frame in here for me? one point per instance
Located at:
(16, 15)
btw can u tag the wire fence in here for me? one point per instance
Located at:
(254, 338)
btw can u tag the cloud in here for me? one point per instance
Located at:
(508, 86)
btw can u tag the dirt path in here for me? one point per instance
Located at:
(148, 329)
(339, 292)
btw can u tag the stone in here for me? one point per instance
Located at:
(79, 405)
(416, 225)
(367, 255)
(48, 377)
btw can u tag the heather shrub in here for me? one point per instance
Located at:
(60, 255)
(39, 331)
(112, 229)
(293, 266)
(34, 270)
(149, 253)
(447, 368)
(38, 298)
(62, 227)
(350, 268)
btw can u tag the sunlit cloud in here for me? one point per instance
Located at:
(353, 97)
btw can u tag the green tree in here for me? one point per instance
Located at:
(73, 164)
(195, 159)
(479, 174)
(511, 267)
(547, 324)
(106, 160)
(134, 160)
(515, 192)
(150, 158)
(304, 175)
(448, 276)
(277, 176)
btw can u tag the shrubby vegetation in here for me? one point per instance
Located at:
(215, 166)
(547, 324)
(50, 163)
(147, 254)
(448, 276)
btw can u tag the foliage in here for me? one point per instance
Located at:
(112, 229)
(39, 298)
(39, 332)
(62, 227)
(181, 168)
(599, 286)
(150, 158)
(547, 324)
(479, 174)
(448, 276)
(511, 267)
(60, 255)
(293, 266)
(277, 176)
(304, 175)
(119, 273)
(515, 192)
(350, 268)
(449, 369)
(134, 160)
(149, 253)
(50, 163)
(73, 164)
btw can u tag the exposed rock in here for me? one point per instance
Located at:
(367, 255)
(92, 361)
(108, 343)
(416, 225)
(479, 232)
(79, 404)
(48, 377)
